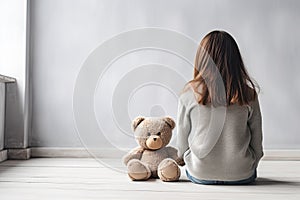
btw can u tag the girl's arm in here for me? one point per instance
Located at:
(183, 128)
(255, 125)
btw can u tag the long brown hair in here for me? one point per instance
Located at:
(220, 76)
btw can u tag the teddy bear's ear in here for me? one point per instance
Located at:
(136, 122)
(170, 122)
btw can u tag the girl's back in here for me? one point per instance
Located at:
(219, 125)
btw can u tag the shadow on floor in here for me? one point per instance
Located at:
(268, 181)
(260, 181)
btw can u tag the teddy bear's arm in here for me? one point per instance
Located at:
(133, 154)
(172, 152)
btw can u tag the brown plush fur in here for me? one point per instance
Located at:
(152, 158)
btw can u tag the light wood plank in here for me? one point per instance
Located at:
(64, 178)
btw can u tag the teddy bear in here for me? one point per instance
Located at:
(153, 158)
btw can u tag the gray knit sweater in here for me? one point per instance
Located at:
(223, 143)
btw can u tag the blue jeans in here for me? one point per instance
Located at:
(216, 182)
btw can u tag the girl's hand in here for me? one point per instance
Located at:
(180, 161)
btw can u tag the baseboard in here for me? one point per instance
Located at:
(3, 155)
(57, 152)
(63, 152)
(19, 154)
(286, 154)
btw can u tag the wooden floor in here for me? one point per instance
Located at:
(65, 178)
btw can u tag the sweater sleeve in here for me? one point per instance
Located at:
(255, 125)
(183, 128)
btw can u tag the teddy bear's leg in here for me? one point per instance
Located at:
(168, 170)
(138, 170)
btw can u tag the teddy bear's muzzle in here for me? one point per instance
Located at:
(154, 142)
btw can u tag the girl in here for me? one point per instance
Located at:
(219, 120)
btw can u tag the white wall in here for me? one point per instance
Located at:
(64, 33)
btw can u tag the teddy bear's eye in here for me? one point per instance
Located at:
(158, 134)
(148, 134)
